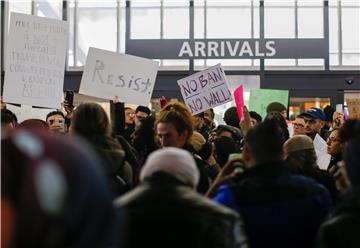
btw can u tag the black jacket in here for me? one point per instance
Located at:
(279, 209)
(342, 230)
(164, 212)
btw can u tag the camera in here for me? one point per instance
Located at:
(349, 80)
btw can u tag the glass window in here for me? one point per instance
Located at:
(351, 33)
(96, 27)
(333, 34)
(278, 62)
(20, 6)
(279, 19)
(176, 20)
(228, 20)
(49, 8)
(310, 20)
(311, 62)
(70, 57)
(145, 20)
(199, 24)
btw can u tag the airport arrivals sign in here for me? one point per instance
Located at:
(227, 48)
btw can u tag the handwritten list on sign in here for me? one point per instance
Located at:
(205, 89)
(35, 61)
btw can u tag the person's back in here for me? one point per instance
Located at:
(342, 229)
(165, 211)
(279, 209)
(91, 123)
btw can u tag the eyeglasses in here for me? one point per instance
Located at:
(333, 139)
(298, 125)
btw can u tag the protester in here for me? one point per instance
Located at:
(8, 122)
(165, 211)
(231, 117)
(56, 122)
(144, 142)
(209, 116)
(341, 230)
(314, 120)
(273, 202)
(141, 112)
(299, 126)
(277, 107)
(91, 122)
(255, 118)
(53, 194)
(174, 128)
(299, 153)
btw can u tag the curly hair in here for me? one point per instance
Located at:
(177, 114)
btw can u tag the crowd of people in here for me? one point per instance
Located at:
(171, 179)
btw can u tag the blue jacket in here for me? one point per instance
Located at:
(279, 209)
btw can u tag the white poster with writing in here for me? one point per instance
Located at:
(205, 89)
(35, 61)
(323, 158)
(109, 74)
(26, 112)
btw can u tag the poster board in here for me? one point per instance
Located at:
(205, 89)
(108, 74)
(260, 99)
(35, 61)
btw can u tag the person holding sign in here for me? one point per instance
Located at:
(174, 128)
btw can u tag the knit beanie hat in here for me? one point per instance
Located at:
(175, 161)
(298, 143)
(275, 106)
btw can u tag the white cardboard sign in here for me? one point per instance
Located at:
(109, 74)
(35, 61)
(323, 158)
(26, 112)
(205, 89)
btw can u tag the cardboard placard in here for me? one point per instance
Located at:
(205, 89)
(35, 61)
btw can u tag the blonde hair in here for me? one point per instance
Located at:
(197, 141)
(177, 114)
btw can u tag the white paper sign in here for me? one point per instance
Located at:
(321, 152)
(206, 89)
(35, 61)
(291, 129)
(26, 112)
(109, 74)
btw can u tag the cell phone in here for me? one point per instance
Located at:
(69, 97)
(238, 163)
(339, 108)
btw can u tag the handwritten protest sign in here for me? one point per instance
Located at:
(35, 61)
(260, 99)
(354, 108)
(239, 100)
(206, 89)
(323, 158)
(109, 74)
(28, 112)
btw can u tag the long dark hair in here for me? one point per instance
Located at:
(90, 119)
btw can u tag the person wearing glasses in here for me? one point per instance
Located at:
(299, 126)
(334, 148)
